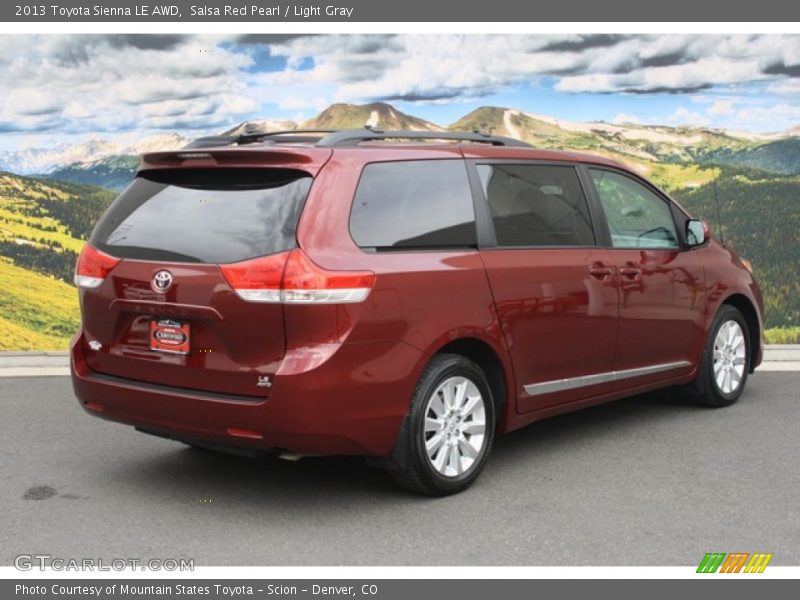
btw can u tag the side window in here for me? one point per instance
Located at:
(413, 204)
(536, 205)
(637, 217)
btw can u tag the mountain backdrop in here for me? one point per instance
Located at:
(51, 197)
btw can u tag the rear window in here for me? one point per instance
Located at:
(204, 215)
(413, 204)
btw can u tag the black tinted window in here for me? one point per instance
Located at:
(536, 205)
(204, 215)
(413, 204)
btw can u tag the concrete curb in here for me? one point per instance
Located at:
(777, 357)
(34, 364)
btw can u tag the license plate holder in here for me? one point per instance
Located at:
(171, 336)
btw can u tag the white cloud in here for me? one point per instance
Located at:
(31, 102)
(786, 87)
(721, 107)
(83, 83)
(684, 116)
(704, 72)
(299, 103)
(423, 67)
(775, 117)
(101, 83)
(623, 119)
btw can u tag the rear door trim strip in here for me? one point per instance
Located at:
(570, 383)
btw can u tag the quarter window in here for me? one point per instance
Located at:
(413, 204)
(536, 205)
(637, 217)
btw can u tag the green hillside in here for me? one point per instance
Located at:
(761, 221)
(779, 156)
(42, 228)
(43, 223)
(37, 312)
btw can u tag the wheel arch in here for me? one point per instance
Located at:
(498, 372)
(745, 306)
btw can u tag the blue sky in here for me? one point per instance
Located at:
(71, 88)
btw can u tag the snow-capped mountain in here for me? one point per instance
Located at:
(156, 143)
(46, 160)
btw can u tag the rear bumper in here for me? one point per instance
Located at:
(339, 407)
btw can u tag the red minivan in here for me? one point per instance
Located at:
(398, 295)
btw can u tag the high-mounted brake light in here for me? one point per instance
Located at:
(195, 156)
(292, 278)
(93, 266)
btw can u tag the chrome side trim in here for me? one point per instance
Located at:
(570, 383)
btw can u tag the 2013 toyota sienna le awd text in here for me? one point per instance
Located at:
(398, 295)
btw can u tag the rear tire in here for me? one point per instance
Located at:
(450, 428)
(723, 371)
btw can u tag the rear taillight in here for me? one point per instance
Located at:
(93, 266)
(306, 283)
(258, 279)
(292, 278)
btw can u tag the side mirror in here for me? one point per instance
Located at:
(697, 232)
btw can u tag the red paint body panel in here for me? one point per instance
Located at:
(558, 320)
(661, 310)
(338, 378)
(726, 278)
(233, 341)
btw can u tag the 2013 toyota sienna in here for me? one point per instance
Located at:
(398, 295)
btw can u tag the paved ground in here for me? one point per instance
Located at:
(650, 480)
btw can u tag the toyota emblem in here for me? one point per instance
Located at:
(162, 281)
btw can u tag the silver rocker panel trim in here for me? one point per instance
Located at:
(570, 383)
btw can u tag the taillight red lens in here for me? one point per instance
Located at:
(93, 266)
(306, 282)
(258, 279)
(292, 277)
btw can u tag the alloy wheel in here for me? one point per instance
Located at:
(730, 355)
(455, 426)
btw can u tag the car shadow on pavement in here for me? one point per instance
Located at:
(633, 412)
(206, 477)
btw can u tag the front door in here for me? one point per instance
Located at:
(660, 282)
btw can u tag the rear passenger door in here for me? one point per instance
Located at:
(553, 286)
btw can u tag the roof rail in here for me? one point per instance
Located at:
(352, 137)
(348, 138)
(289, 136)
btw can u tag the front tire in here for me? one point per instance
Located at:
(723, 371)
(450, 428)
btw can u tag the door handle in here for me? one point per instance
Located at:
(631, 273)
(600, 271)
